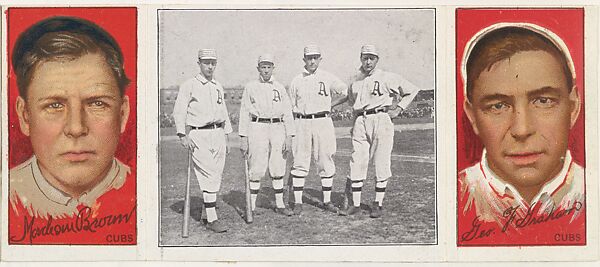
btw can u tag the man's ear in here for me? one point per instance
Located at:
(575, 104)
(469, 110)
(23, 115)
(124, 113)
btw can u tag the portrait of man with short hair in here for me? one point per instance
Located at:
(74, 104)
(522, 99)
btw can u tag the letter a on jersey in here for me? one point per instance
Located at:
(376, 90)
(276, 96)
(322, 90)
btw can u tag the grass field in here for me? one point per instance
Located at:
(410, 203)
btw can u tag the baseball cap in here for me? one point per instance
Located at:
(207, 53)
(310, 50)
(544, 32)
(266, 58)
(369, 50)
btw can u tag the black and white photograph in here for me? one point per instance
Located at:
(297, 127)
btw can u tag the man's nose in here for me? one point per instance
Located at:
(522, 125)
(76, 122)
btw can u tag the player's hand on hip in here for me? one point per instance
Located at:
(287, 146)
(244, 146)
(394, 113)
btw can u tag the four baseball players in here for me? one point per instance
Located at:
(273, 123)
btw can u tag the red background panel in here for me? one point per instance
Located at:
(566, 23)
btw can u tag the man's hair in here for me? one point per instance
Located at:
(64, 38)
(502, 44)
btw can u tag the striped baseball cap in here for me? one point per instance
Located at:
(312, 50)
(207, 53)
(266, 58)
(369, 50)
(544, 32)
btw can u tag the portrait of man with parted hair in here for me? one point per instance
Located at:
(522, 100)
(73, 104)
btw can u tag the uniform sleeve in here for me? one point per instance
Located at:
(337, 86)
(351, 93)
(181, 105)
(228, 129)
(244, 119)
(406, 90)
(293, 93)
(288, 118)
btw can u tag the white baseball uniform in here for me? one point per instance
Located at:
(371, 94)
(200, 105)
(311, 101)
(266, 119)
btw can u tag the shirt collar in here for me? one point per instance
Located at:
(501, 187)
(88, 197)
(260, 79)
(203, 79)
(373, 71)
(307, 73)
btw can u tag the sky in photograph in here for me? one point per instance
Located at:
(405, 39)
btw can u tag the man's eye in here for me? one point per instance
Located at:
(55, 106)
(98, 104)
(497, 107)
(545, 102)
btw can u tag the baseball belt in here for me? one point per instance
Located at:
(266, 120)
(372, 111)
(312, 116)
(209, 126)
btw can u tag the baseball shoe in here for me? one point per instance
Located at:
(376, 210)
(350, 211)
(284, 211)
(216, 226)
(330, 207)
(297, 208)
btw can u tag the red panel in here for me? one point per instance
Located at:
(121, 23)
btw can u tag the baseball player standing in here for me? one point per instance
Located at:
(311, 94)
(266, 130)
(203, 124)
(373, 95)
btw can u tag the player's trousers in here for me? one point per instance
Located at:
(316, 138)
(209, 157)
(265, 150)
(372, 137)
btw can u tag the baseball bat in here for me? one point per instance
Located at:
(347, 194)
(186, 203)
(249, 217)
(288, 179)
